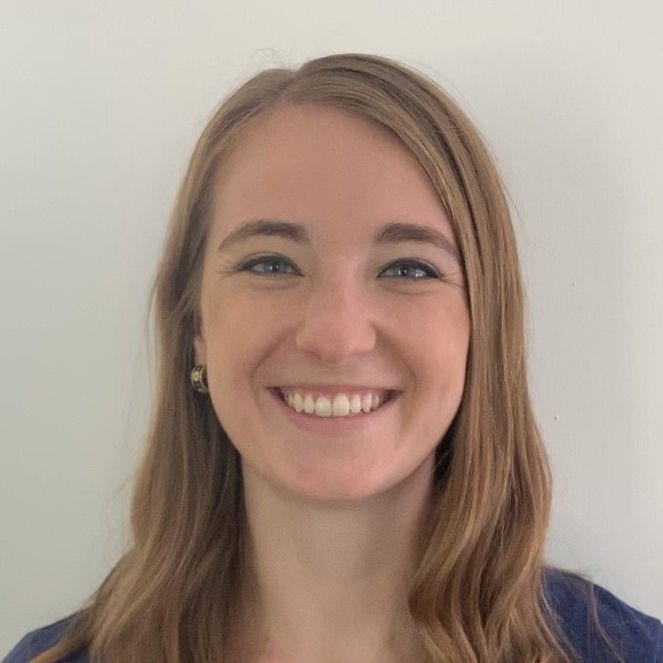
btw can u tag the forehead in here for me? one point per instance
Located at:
(313, 163)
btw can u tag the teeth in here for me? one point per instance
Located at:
(323, 407)
(340, 405)
(366, 402)
(355, 404)
(309, 405)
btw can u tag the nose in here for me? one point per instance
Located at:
(336, 323)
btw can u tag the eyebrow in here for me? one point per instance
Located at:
(390, 233)
(395, 232)
(265, 228)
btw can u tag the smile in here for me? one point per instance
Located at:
(339, 404)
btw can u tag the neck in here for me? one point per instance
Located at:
(331, 580)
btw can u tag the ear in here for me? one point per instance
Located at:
(199, 345)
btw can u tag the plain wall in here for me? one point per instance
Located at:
(100, 105)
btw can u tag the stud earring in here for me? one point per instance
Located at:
(199, 378)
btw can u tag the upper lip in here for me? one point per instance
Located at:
(308, 386)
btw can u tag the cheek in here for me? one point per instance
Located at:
(437, 334)
(239, 333)
(439, 363)
(232, 345)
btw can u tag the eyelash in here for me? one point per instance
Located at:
(429, 272)
(249, 265)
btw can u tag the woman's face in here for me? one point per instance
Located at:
(331, 284)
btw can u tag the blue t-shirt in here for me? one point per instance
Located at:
(638, 638)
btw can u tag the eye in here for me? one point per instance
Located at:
(410, 270)
(267, 266)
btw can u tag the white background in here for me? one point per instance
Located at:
(100, 104)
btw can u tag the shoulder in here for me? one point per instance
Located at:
(638, 638)
(39, 640)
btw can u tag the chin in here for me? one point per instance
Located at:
(352, 487)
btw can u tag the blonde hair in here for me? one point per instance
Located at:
(477, 594)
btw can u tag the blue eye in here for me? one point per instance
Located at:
(267, 265)
(410, 270)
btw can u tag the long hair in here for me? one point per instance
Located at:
(476, 596)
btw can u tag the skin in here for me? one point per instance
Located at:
(334, 506)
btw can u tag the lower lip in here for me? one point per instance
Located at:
(315, 424)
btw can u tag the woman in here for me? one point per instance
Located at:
(343, 462)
